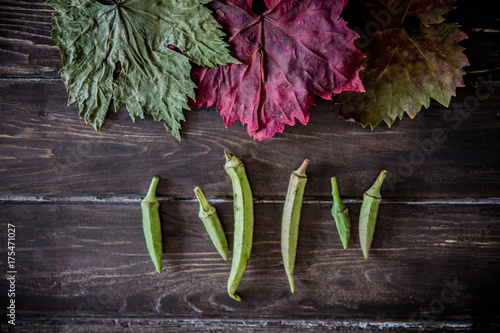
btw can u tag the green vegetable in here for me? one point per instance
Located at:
(368, 214)
(341, 215)
(96, 40)
(291, 219)
(208, 215)
(243, 222)
(151, 224)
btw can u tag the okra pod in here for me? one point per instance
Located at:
(151, 224)
(208, 215)
(243, 221)
(291, 219)
(368, 214)
(341, 215)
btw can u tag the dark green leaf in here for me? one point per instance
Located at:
(404, 70)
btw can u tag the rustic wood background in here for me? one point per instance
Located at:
(73, 195)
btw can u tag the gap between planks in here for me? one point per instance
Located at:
(307, 200)
(248, 322)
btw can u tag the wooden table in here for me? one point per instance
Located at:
(73, 196)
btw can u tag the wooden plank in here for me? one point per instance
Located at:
(483, 30)
(84, 259)
(46, 149)
(26, 48)
(97, 324)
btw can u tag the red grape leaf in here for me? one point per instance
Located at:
(293, 50)
(405, 69)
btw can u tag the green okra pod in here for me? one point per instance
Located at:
(151, 224)
(341, 215)
(208, 215)
(291, 219)
(243, 222)
(368, 214)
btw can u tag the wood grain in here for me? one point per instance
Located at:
(26, 48)
(100, 324)
(90, 259)
(46, 149)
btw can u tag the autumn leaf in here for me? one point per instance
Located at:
(154, 79)
(293, 50)
(407, 66)
(428, 11)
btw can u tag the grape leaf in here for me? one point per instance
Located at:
(154, 78)
(293, 50)
(404, 68)
(428, 11)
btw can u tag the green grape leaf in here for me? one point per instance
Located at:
(428, 11)
(405, 68)
(147, 43)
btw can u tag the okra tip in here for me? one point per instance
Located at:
(301, 171)
(232, 161)
(291, 281)
(382, 175)
(365, 253)
(227, 155)
(151, 195)
(223, 254)
(202, 199)
(335, 189)
(374, 191)
(235, 296)
(338, 205)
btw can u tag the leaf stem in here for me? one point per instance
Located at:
(406, 12)
(483, 70)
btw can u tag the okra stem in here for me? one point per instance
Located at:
(211, 221)
(301, 171)
(341, 215)
(291, 219)
(243, 222)
(205, 208)
(151, 224)
(368, 214)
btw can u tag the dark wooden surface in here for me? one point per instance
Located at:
(74, 195)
